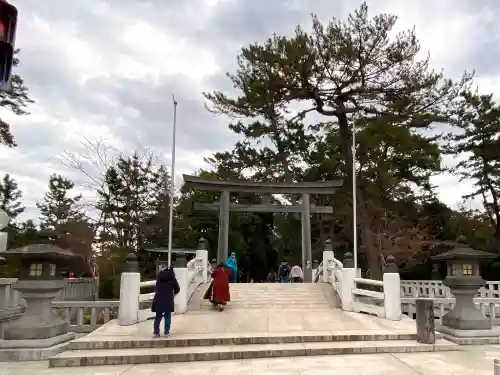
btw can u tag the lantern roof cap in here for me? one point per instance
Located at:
(462, 251)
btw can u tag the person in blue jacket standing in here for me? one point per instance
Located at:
(232, 264)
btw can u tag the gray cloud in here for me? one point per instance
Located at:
(197, 129)
(108, 68)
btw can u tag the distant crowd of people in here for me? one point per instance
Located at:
(218, 292)
(286, 274)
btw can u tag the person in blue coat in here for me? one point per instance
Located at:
(232, 264)
(163, 301)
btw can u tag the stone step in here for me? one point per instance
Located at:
(300, 292)
(271, 305)
(276, 287)
(282, 294)
(282, 303)
(275, 290)
(305, 294)
(268, 299)
(95, 357)
(116, 342)
(280, 299)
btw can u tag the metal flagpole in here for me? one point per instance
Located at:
(354, 200)
(172, 186)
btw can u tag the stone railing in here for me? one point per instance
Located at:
(75, 290)
(81, 289)
(377, 297)
(11, 306)
(81, 314)
(8, 296)
(490, 307)
(435, 288)
(86, 316)
(135, 306)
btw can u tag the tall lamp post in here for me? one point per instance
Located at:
(172, 185)
(354, 199)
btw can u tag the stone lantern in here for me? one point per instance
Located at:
(40, 279)
(464, 281)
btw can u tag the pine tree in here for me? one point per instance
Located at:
(135, 191)
(344, 71)
(10, 197)
(478, 143)
(58, 206)
(16, 101)
(156, 233)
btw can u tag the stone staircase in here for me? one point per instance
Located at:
(262, 321)
(230, 347)
(273, 296)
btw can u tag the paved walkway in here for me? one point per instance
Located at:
(266, 319)
(477, 360)
(327, 321)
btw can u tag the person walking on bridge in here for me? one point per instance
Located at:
(296, 274)
(284, 272)
(218, 292)
(163, 301)
(232, 264)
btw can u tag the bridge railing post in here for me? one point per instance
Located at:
(347, 284)
(130, 290)
(202, 259)
(392, 290)
(328, 256)
(181, 274)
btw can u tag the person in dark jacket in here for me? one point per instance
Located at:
(163, 302)
(284, 272)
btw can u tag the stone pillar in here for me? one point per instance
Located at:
(130, 290)
(347, 284)
(328, 256)
(392, 290)
(425, 321)
(306, 238)
(223, 240)
(202, 256)
(181, 274)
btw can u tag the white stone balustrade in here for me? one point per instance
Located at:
(490, 307)
(435, 288)
(86, 316)
(377, 297)
(487, 299)
(189, 278)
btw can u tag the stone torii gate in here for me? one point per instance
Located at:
(226, 187)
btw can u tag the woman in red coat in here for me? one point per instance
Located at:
(220, 287)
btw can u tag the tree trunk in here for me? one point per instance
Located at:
(372, 257)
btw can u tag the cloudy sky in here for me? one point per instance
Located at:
(106, 69)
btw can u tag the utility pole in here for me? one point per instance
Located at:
(172, 185)
(354, 199)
